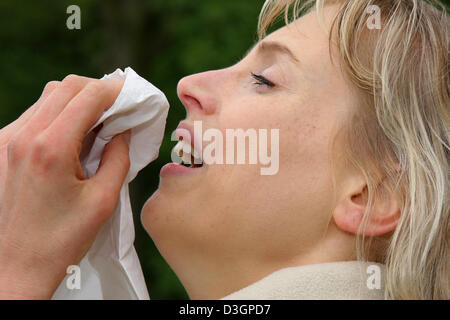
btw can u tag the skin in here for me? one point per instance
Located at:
(224, 227)
(221, 227)
(50, 213)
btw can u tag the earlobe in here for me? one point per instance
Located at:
(383, 218)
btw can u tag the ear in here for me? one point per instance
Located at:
(384, 216)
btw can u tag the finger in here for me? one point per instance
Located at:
(56, 101)
(113, 168)
(84, 110)
(48, 89)
(15, 126)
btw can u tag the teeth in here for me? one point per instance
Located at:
(184, 150)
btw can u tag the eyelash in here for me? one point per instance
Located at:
(262, 81)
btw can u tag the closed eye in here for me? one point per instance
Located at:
(260, 80)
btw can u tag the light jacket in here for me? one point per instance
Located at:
(348, 280)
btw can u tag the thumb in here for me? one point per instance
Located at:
(114, 164)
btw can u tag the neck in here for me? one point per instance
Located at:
(211, 277)
(219, 280)
(216, 280)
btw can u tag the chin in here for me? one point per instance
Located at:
(152, 213)
(163, 216)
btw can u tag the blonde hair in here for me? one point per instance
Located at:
(401, 132)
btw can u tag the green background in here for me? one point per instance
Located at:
(162, 40)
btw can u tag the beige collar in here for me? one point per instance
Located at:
(337, 280)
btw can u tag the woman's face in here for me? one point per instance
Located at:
(230, 217)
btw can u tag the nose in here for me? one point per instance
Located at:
(197, 93)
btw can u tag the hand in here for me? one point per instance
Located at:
(50, 213)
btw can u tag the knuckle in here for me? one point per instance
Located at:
(40, 152)
(50, 86)
(93, 89)
(16, 149)
(43, 153)
(71, 78)
(71, 81)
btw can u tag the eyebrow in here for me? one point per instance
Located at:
(273, 46)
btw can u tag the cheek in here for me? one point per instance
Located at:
(287, 198)
(305, 154)
(254, 111)
(304, 135)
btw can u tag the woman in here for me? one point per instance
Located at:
(363, 172)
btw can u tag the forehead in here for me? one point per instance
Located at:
(306, 37)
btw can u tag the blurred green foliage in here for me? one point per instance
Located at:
(162, 40)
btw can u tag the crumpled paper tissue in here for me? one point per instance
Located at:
(111, 268)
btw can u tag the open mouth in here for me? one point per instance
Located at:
(189, 156)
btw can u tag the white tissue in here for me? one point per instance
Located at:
(111, 268)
